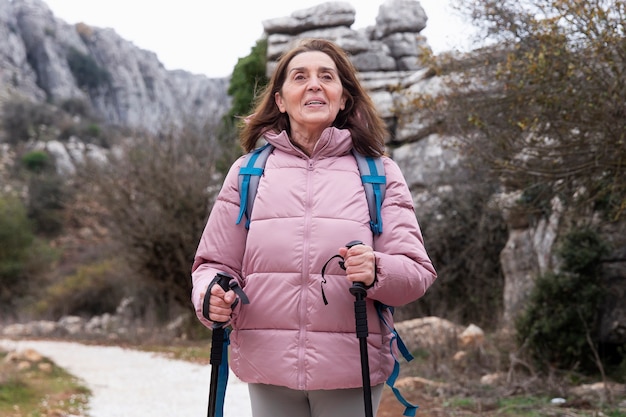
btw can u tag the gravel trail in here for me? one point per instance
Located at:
(130, 383)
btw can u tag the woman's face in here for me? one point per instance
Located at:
(312, 94)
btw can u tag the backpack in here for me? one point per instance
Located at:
(373, 178)
(252, 169)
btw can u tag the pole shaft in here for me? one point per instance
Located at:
(360, 314)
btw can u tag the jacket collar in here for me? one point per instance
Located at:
(332, 142)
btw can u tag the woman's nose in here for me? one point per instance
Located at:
(314, 84)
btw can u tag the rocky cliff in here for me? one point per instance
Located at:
(42, 58)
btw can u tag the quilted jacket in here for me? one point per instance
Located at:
(306, 208)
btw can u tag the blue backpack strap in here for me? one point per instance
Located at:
(250, 172)
(223, 376)
(373, 177)
(410, 409)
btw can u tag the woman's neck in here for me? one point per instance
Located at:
(306, 142)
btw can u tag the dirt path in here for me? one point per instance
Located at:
(127, 382)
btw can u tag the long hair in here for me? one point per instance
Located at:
(359, 116)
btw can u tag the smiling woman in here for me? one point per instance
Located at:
(296, 348)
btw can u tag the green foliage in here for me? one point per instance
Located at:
(15, 390)
(247, 79)
(47, 197)
(558, 325)
(582, 252)
(34, 391)
(86, 71)
(94, 130)
(36, 161)
(23, 258)
(16, 237)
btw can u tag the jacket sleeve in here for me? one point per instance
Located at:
(222, 243)
(403, 269)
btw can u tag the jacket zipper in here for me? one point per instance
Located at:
(305, 276)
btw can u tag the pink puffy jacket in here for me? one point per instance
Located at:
(307, 208)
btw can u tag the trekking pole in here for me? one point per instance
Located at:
(217, 350)
(360, 314)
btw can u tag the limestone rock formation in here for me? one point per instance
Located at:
(42, 58)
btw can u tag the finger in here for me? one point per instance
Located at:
(219, 314)
(217, 291)
(229, 297)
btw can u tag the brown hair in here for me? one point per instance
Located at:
(360, 116)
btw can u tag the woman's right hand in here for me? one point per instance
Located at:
(220, 304)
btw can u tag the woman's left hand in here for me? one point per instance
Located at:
(360, 263)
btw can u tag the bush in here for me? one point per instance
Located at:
(157, 194)
(92, 289)
(23, 258)
(16, 238)
(86, 71)
(36, 161)
(47, 195)
(76, 107)
(23, 120)
(559, 324)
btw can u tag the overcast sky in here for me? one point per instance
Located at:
(209, 36)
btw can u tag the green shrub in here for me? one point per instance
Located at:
(18, 250)
(47, 198)
(582, 252)
(86, 71)
(36, 161)
(560, 322)
(247, 79)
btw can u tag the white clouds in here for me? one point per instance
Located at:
(208, 36)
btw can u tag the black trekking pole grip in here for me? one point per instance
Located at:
(217, 342)
(223, 280)
(357, 287)
(360, 314)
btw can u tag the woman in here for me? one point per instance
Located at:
(300, 356)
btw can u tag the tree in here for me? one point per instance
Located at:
(543, 104)
(157, 193)
(249, 75)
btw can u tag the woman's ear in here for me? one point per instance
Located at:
(279, 102)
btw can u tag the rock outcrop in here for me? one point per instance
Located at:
(42, 58)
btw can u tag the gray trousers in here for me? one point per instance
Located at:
(275, 401)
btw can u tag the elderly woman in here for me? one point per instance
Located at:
(299, 355)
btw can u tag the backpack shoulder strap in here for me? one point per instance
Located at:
(373, 177)
(250, 172)
(410, 409)
(372, 172)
